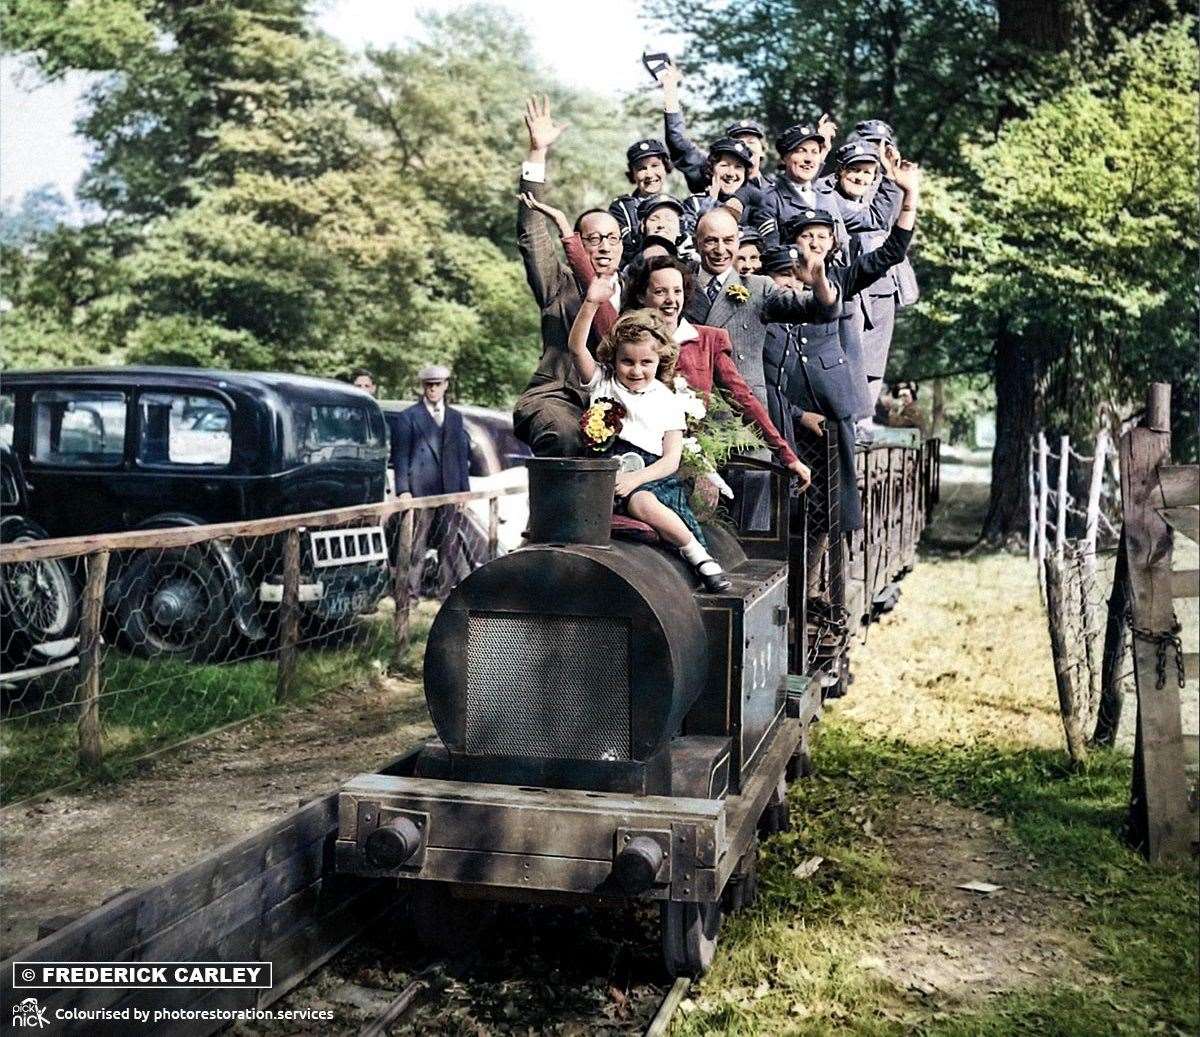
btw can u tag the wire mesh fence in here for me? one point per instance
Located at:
(115, 647)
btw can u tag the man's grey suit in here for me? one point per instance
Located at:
(746, 322)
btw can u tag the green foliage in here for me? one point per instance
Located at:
(899, 60)
(450, 108)
(1078, 225)
(271, 204)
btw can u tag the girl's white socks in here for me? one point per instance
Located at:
(694, 553)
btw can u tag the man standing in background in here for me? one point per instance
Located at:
(430, 455)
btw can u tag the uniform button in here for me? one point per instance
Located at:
(841, 360)
(804, 340)
(804, 358)
(745, 324)
(741, 356)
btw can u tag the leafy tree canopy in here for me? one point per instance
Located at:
(270, 202)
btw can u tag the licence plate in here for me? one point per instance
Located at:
(336, 606)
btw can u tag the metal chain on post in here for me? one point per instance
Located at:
(1161, 641)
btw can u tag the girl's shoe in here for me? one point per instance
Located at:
(712, 576)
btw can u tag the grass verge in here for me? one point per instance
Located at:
(150, 704)
(797, 962)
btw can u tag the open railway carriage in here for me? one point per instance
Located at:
(606, 729)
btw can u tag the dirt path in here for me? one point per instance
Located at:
(67, 852)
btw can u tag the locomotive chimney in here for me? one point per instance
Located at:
(570, 500)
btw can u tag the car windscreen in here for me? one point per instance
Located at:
(79, 427)
(328, 431)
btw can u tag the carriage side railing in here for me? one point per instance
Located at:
(172, 634)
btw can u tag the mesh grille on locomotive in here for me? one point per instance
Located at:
(547, 686)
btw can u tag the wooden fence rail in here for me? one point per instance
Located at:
(97, 550)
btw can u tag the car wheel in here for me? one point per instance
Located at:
(39, 601)
(176, 603)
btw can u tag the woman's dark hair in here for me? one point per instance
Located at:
(639, 280)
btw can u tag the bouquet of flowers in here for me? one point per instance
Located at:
(714, 432)
(601, 423)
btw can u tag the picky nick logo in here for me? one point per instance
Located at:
(29, 1013)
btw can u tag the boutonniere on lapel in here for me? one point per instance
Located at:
(737, 292)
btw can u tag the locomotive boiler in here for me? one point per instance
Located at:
(605, 727)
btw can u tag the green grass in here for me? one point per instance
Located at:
(150, 704)
(791, 964)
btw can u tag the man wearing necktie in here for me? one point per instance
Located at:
(430, 454)
(744, 304)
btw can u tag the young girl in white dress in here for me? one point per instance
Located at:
(636, 364)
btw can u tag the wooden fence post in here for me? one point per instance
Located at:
(1033, 501)
(1064, 471)
(493, 527)
(1043, 507)
(400, 589)
(91, 752)
(289, 616)
(1092, 529)
(1159, 816)
(1066, 674)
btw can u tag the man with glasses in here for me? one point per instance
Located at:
(547, 414)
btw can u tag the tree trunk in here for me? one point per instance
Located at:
(937, 410)
(1016, 418)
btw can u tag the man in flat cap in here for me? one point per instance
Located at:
(431, 454)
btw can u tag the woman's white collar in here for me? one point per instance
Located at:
(684, 332)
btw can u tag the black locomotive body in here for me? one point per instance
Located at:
(605, 728)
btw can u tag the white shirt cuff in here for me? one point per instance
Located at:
(534, 172)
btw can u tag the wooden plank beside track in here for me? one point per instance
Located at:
(271, 895)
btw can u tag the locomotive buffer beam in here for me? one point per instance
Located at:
(507, 839)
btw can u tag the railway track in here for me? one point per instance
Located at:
(406, 1001)
(539, 971)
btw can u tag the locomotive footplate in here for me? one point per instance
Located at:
(554, 840)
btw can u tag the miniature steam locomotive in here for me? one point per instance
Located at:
(605, 728)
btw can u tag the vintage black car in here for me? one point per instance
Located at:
(112, 449)
(39, 601)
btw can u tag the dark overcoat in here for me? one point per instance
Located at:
(428, 460)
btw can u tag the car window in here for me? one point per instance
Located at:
(8, 406)
(325, 432)
(79, 427)
(175, 428)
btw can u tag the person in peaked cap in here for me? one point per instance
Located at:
(814, 229)
(688, 158)
(728, 165)
(430, 454)
(810, 385)
(647, 165)
(802, 149)
(666, 217)
(875, 130)
(749, 253)
(863, 190)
